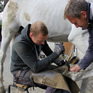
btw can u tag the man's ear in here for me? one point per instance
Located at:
(31, 34)
(84, 13)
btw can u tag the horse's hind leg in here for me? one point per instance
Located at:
(9, 29)
(7, 34)
(4, 45)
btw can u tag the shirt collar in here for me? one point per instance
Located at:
(90, 13)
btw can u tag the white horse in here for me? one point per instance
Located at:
(22, 12)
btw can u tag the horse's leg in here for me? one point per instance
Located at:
(4, 45)
(84, 86)
(9, 29)
(7, 34)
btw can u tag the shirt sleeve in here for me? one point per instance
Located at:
(88, 58)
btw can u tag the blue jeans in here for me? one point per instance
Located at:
(54, 90)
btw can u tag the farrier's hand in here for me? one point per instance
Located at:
(76, 68)
(59, 48)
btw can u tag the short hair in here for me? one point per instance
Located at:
(38, 27)
(74, 8)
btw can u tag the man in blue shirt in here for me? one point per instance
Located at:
(80, 13)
